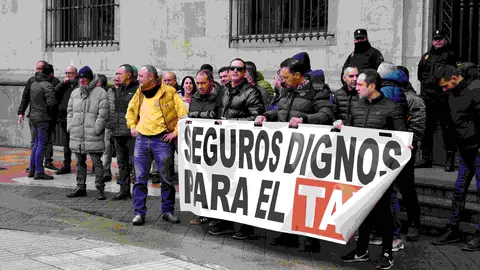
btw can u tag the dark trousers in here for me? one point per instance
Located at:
(381, 216)
(405, 183)
(49, 153)
(438, 112)
(39, 133)
(67, 153)
(469, 167)
(82, 170)
(163, 155)
(124, 148)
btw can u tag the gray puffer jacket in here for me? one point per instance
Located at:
(87, 117)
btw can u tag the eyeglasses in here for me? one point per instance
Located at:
(239, 69)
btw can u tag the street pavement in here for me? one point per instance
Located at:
(40, 228)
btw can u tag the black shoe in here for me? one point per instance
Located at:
(64, 170)
(31, 174)
(385, 261)
(450, 161)
(451, 236)
(285, 239)
(41, 176)
(78, 192)
(224, 227)
(473, 244)
(413, 234)
(170, 218)
(122, 195)
(245, 232)
(51, 167)
(101, 195)
(107, 178)
(155, 177)
(354, 257)
(138, 220)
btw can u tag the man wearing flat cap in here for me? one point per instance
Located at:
(436, 101)
(364, 55)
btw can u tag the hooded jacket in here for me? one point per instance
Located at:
(427, 66)
(392, 89)
(243, 102)
(87, 116)
(264, 84)
(42, 99)
(26, 93)
(311, 101)
(118, 100)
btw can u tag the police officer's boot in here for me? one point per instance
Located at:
(449, 161)
(425, 162)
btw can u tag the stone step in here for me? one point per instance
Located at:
(444, 190)
(433, 226)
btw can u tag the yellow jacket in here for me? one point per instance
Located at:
(152, 116)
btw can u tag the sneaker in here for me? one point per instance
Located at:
(385, 261)
(42, 176)
(451, 236)
(397, 244)
(240, 236)
(353, 257)
(375, 240)
(413, 234)
(51, 167)
(64, 170)
(473, 244)
(213, 223)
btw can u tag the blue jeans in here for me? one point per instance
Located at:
(469, 167)
(162, 153)
(39, 133)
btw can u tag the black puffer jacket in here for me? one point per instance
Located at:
(380, 113)
(427, 66)
(344, 100)
(464, 104)
(118, 100)
(311, 101)
(243, 102)
(42, 99)
(62, 93)
(205, 106)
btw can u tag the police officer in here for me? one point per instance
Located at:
(436, 100)
(364, 55)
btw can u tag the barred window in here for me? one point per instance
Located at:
(81, 23)
(255, 20)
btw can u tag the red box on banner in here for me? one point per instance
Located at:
(320, 199)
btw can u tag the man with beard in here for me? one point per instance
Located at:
(364, 55)
(464, 104)
(152, 117)
(436, 101)
(346, 96)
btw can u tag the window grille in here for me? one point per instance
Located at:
(80, 23)
(255, 20)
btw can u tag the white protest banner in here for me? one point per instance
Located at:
(305, 181)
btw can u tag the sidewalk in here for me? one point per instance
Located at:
(41, 207)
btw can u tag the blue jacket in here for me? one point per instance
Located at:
(392, 89)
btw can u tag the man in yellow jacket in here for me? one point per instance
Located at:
(152, 117)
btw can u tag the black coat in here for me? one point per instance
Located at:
(26, 94)
(311, 101)
(118, 100)
(243, 102)
(380, 113)
(464, 103)
(430, 62)
(344, 100)
(205, 106)
(42, 99)
(364, 56)
(62, 93)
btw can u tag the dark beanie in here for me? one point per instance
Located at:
(304, 58)
(85, 72)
